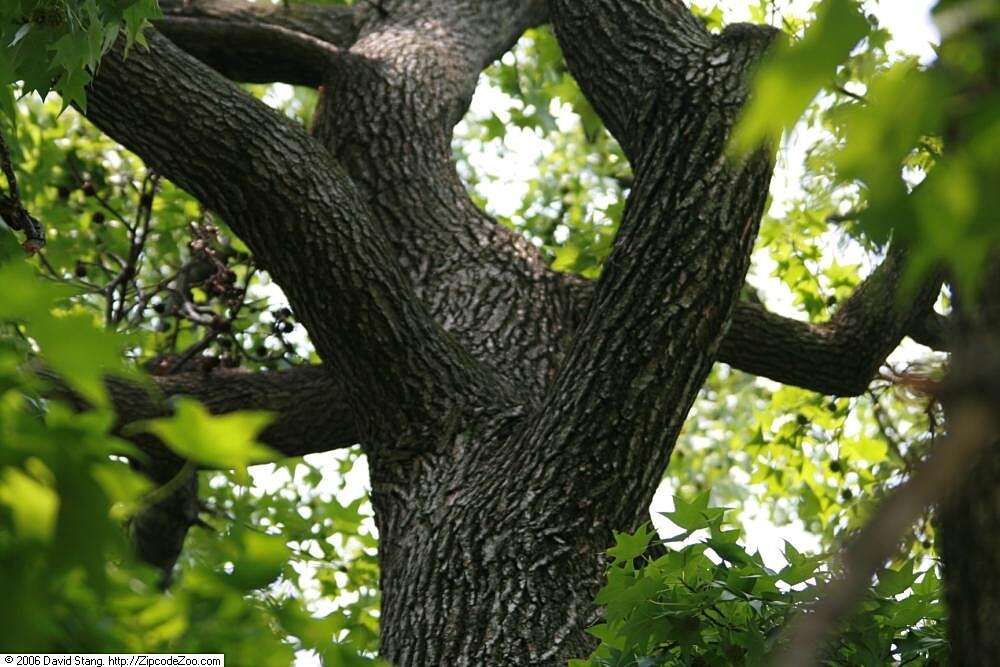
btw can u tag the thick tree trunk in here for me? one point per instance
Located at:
(491, 539)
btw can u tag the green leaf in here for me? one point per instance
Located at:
(795, 73)
(894, 582)
(260, 562)
(629, 547)
(868, 450)
(694, 515)
(70, 344)
(224, 441)
(34, 505)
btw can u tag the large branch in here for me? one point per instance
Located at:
(311, 414)
(305, 221)
(840, 357)
(262, 42)
(389, 115)
(408, 74)
(670, 92)
(310, 417)
(659, 64)
(645, 46)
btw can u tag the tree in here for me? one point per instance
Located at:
(515, 417)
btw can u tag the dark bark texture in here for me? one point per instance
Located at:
(971, 519)
(513, 416)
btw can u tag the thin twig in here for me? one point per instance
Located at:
(853, 96)
(12, 209)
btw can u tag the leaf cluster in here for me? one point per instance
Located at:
(707, 601)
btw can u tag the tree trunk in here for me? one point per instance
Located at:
(970, 521)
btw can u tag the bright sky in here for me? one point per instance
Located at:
(913, 33)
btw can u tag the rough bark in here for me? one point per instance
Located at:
(513, 417)
(261, 43)
(479, 266)
(601, 434)
(306, 223)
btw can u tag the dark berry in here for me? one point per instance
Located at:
(89, 189)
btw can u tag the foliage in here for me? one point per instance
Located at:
(57, 44)
(950, 125)
(708, 601)
(71, 581)
(135, 275)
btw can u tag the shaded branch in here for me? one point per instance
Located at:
(158, 529)
(312, 415)
(12, 210)
(262, 42)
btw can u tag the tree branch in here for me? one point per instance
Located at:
(301, 215)
(646, 46)
(311, 411)
(839, 357)
(311, 417)
(671, 93)
(389, 115)
(261, 43)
